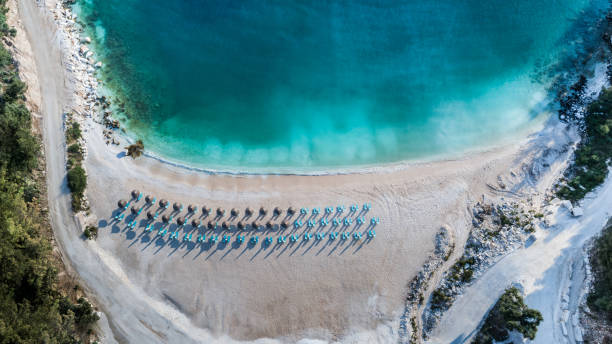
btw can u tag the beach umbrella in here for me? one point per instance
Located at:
(206, 210)
(150, 215)
(134, 210)
(224, 225)
(195, 223)
(263, 211)
(176, 206)
(135, 193)
(255, 224)
(220, 211)
(278, 211)
(148, 198)
(190, 208)
(162, 202)
(284, 224)
(290, 211)
(211, 225)
(235, 212)
(269, 225)
(122, 203)
(240, 224)
(180, 220)
(249, 211)
(165, 218)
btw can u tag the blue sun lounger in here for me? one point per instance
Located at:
(340, 209)
(357, 236)
(348, 221)
(304, 211)
(367, 206)
(227, 238)
(254, 239)
(148, 228)
(335, 222)
(329, 210)
(281, 239)
(371, 234)
(293, 238)
(354, 207)
(201, 238)
(316, 211)
(375, 220)
(344, 235)
(311, 223)
(320, 236)
(307, 236)
(333, 235)
(214, 238)
(297, 223)
(323, 222)
(139, 197)
(187, 237)
(268, 240)
(240, 239)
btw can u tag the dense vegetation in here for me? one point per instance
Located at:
(600, 298)
(77, 178)
(32, 307)
(594, 152)
(509, 314)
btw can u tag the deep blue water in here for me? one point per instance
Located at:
(293, 85)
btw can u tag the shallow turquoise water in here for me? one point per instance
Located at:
(294, 85)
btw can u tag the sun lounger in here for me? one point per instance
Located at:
(307, 236)
(304, 211)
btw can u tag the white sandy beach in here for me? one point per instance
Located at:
(154, 291)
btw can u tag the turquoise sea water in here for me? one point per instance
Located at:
(298, 85)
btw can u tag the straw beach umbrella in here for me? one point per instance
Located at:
(224, 225)
(235, 212)
(240, 225)
(177, 206)
(263, 211)
(291, 211)
(206, 210)
(220, 211)
(163, 203)
(180, 220)
(211, 225)
(248, 211)
(277, 211)
(195, 223)
(134, 210)
(148, 198)
(190, 208)
(165, 218)
(255, 225)
(122, 203)
(150, 215)
(135, 193)
(284, 224)
(269, 225)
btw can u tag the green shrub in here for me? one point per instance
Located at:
(74, 148)
(73, 132)
(590, 166)
(77, 180)
(91, 232)
(600, 297)
(509, 314)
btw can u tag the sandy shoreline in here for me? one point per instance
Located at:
(156, 291)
